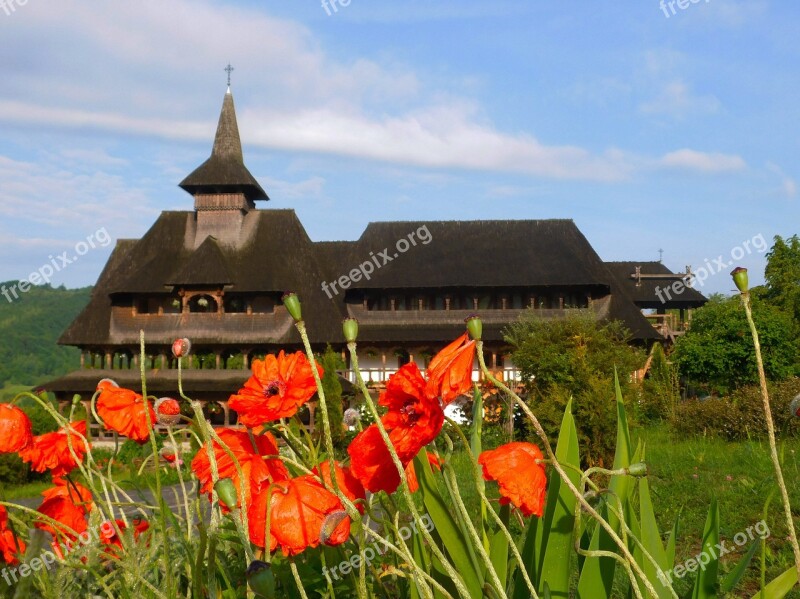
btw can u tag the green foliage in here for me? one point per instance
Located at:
(331, 362)
(30, 327)
(783, 275)
(660, 391)
(717, 352)
(740, 415)
(575, 358)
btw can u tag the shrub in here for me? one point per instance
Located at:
(331, 362)
(575, 357)
(660, 391)
(740, 415)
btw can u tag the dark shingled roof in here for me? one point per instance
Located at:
(495, 253)
(195, 383)
(277, 255)
(224, 171)
(205, 267)
(644, 294)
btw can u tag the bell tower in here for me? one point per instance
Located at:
(224, 191)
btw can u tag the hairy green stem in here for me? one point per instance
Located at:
(451, 571)
(773, 447)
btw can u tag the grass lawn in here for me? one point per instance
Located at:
(687, 473)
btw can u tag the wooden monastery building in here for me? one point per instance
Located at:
(215, 274)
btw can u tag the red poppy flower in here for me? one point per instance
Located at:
(278, 387)
(522, 479)
(414, 419)
(348, 484)
(302, 513)
(450, 371)
(67, 503)
(15, 429)
(125, 411)
(110, 538)
(255, 468)
(11, 546)
(51, 451)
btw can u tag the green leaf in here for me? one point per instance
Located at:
(651, 539)
(476, 445)
(597, 574)
(706, 584)
(498, 550)
(735, 575)
(454, 539)
(672, 541)
(780, 586)
(559, 516)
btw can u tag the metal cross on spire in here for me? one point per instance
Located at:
(660, 252)
(229, 69)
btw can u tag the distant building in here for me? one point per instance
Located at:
(216, 275)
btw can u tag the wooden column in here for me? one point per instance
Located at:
(108, 360)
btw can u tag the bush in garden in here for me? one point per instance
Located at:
(660, 391)
(740, 415)
(277, 516)
(575, 358)
(331, 362)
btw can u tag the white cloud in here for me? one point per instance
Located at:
(677, 100)
(702, 162)
(788, 185)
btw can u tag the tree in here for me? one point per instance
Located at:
(783, 275)
(575, 357)
(332, 362)
(717, 351)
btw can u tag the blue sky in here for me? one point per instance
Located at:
(652, 130)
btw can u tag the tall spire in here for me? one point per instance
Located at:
(224, 172)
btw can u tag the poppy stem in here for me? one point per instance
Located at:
(477, 477)
(352, 511)
(773, 448)
(451, 571)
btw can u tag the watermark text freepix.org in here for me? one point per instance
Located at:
(332, 6)
(377, 548)
(702, 559)
(668, 6)
(712, 267)
(365, 269)
(48, 558)
(10, 6)
(44, 274)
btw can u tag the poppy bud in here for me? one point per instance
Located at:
(330, 524)
(168, 411)
(794, 407)
(76, 400)
(350, 329)
(292, 303)
(261, 579)
(638, 470)
(474, 326)
(181, 347)
(739, 275)
(227, 492)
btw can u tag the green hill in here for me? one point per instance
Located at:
(29, 329)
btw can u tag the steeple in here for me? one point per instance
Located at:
(223, 178)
